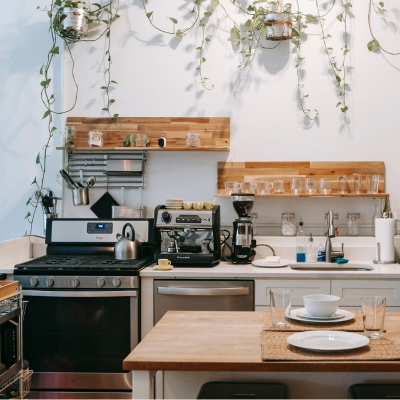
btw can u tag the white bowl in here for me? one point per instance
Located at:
(321, 305)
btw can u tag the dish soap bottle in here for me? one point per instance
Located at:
(301, 244)
(321, 252)
(311, 251)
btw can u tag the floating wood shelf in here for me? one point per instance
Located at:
(214, 133)
(271, 171)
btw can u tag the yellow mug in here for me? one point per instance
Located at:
(209, 205)
(163, 262)
(187, 205)
(198, 205)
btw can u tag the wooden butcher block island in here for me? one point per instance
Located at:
(227, 341)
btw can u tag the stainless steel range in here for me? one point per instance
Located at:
(83, 315)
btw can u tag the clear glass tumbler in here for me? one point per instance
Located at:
(281, 302)
(372, 184)
(247, 187)
(373, 308)
(342, 184)
(231, 187)
(279, 187)
(141, 140)
(325, 186)
(357, 183)
(311, 186)
(296, 185)
(263, 187)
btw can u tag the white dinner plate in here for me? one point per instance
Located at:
(260, 263)
(302, 312)
(328, 340)
(348, 315)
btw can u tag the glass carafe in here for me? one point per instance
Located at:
(378, 212)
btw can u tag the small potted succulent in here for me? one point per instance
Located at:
(278, 22)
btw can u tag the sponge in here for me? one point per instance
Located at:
(341, 261)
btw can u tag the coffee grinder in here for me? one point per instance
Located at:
(243, 243)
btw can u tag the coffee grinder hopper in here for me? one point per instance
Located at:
(243, 204)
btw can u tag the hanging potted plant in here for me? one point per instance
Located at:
(278, 22)
(74, 20)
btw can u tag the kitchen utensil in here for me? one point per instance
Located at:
(281, 300)
(321, 305)
(327, 340)
(310, 186)
(373, 316)
(342, 184)
(296, 185)
(231, 187)
(263, 187)
(70, 183)
(80, 197)
(348, 315)
(357, 184)
(79, 184)
(302, 313)
(353, 224)
(325, 186)
(372, 184)
(91, 181)
(127, 248)
(261, 263)
(247, 187)
(279, 187)
(103, 207)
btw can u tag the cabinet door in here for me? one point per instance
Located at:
(351, 291)
(300, 288)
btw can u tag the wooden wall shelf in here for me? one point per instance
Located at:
(214, 133)
(270, 171)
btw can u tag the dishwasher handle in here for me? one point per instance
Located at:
(183, 291)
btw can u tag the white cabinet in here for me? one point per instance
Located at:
(300, 288)
(351, 291)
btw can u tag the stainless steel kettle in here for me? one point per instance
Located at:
(127, 248)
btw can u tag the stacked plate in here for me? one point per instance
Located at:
(301, 314)
(174, 204)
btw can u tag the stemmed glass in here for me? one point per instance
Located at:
(311, 186)
(325, 186)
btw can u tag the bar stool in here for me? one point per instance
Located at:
(374, 391)
(244, 390)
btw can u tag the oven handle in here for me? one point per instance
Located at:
(182, 291)
(65, 293)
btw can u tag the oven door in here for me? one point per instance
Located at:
(77, 340)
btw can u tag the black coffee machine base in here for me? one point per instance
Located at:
(189, 260)
(242, 255)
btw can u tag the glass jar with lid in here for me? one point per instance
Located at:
(335, 224)
(193, 139)
(288, 226)
(353, 224)
(95, 138)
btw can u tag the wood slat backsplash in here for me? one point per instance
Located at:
(270, 171)
(214, 132)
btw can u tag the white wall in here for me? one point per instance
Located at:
(157, 77)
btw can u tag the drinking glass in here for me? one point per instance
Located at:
(373, 308)
(281, 302)
(372, 184)
(193, 139)
(325, 186)
(263, 187)
(342, 184)
(357, 183)
(231, 187)
(296, 185)
(247, 187)
(311, 186)
(279, 187)
(141, 140)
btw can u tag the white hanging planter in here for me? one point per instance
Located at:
(279, 26)
(75, 18)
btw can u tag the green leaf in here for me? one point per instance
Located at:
(54, 50)
(107, 10)
(105, 21)
(108, 33)
(264, 30)
(199, 48)
(132, 139)
(41, 71)
(114, 82)
(115, 115)
(207, 40)
(214, 4)
(34, 181)
(112, 101)
(373, 45)
(295, 33)
(53, 129)
(45, 83)
(68, 168)
(38, 159)
(207, 14)
(179, 34)
(103, 87)
(90, 21)
(348, 5)
(203, 59)
(338, 78)
(97, 5)
(382, 4)
(311, 18)
(127, 141)
(340, 17)
(57, 3)
(250, 8)
(338, 104)
(344, 109)
(235, 32)
(28, 215)
(49, 14)
(105, 109)
(149, 14)
(173, 20)
(46, 114)
(29, 200)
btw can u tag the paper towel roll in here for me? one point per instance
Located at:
(384, 233)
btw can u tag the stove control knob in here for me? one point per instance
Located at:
(75, 282)
(166, 217)
(116, 282)
(101, 282)
(34, 281)
(49, 282)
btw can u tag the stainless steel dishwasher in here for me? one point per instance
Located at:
(202, 295)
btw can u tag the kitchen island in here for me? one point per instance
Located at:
(196, 347)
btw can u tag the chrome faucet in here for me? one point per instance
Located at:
(330, 233)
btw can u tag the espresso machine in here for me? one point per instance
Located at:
(243, 243)
(188, 238)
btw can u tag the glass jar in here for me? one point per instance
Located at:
(335, 224)
(95, 138)
(193, 139)
(353, 224)
(288, 227)
(69, 135)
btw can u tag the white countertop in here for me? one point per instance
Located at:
(229, 270)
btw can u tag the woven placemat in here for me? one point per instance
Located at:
(354, 325)
(274, 347)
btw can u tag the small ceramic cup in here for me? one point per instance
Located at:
(163, 262)
(209, 205)
(187, 205)
(198, 205)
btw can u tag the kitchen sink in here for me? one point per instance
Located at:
(322, 266)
